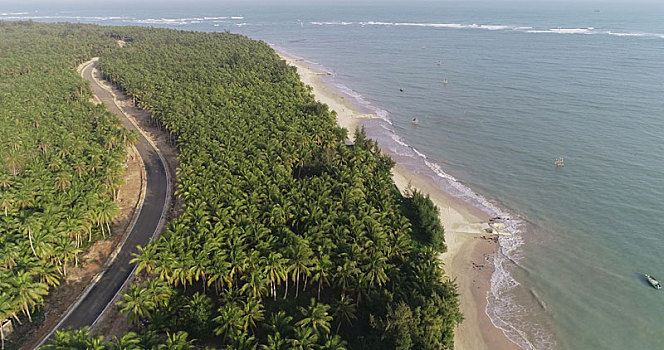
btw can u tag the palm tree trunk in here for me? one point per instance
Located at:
(27, 311)
(286, 292)
(297, 285)
(17, 319)
(2, 334)
(30, 239)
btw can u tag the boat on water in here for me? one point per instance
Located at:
(655, 283)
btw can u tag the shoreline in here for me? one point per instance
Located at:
(470, 250)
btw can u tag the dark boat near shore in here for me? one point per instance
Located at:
(655, 283)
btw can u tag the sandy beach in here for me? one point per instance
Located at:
(469, 259)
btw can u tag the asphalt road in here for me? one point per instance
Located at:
(117, 273)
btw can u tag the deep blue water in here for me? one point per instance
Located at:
(527, 82)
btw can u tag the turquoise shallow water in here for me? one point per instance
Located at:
(527, 82)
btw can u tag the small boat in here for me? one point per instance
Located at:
(653, 281)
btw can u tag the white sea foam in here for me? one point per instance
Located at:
(414, 24)
(489, 27)
(588, 30)
(182, 21)
(572, 30)
(494, 27)
(237, 17)
(15, 16)
(331, 23)
(625, 34)
(640, 35)
(362, 101)
(167, 21)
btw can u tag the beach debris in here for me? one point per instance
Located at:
(560, 162)
(415, 121)
(477, 266)
(498, 226)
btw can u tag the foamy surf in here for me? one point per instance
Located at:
(494, 27)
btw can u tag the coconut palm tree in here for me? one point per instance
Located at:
(275, 271)
(27, 292)
(316, 317)
(334, 342)
(6, 203)
(300, 262)
(321, 269)
(230, 321)
(252, 313)
(177, 341)
(344, 311)
(129, 341)
(30, 223)
(137, 303)
(304, 339)
(7, 308)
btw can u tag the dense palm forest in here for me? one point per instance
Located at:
(60, 159)
(290, 237)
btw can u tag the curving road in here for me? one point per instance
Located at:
(95, 302)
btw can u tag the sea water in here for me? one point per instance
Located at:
(500, 90)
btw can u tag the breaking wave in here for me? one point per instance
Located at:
(497, 27)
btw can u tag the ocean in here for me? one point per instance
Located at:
(500, 89)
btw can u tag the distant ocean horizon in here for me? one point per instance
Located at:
(500, 90)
